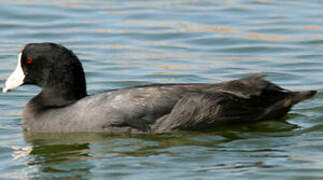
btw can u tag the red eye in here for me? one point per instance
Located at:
(29, 60)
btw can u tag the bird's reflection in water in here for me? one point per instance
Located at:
(75, 155)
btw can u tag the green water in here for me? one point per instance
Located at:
(126, 43)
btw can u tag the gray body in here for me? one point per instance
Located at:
(164, 108)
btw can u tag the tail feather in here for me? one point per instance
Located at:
(299, 96)
(280, 108)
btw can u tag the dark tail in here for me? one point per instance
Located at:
(299, 96)
(280, 108)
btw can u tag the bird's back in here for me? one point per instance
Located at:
(168, 107)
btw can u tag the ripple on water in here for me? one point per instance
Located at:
(132, 43)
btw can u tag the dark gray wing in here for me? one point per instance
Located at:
(202, 111)
(246, 100)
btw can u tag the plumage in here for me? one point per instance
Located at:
(64, 106)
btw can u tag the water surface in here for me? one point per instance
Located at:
(126, 43)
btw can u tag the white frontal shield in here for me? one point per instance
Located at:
(16, 79)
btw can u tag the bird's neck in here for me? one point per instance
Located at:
(58, 97)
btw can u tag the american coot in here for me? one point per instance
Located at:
(64, 106)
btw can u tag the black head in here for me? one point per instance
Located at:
(53, 68)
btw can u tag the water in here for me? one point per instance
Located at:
(125, 43)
